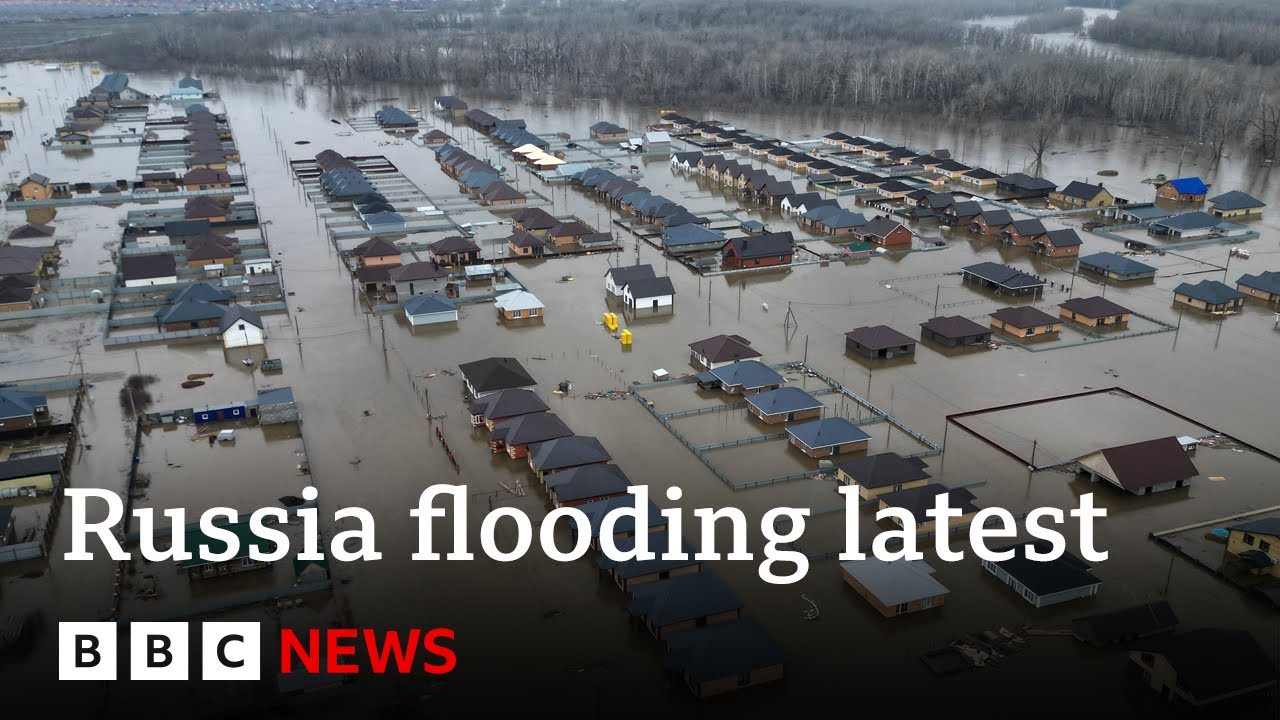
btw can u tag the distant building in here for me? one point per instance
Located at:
(1263, 286)
(1204, 666)
(954, 331)
(1078, 194)
(895, 588)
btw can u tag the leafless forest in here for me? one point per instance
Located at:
(1216, 83)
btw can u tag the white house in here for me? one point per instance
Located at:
(615, 279)
(430, 310)
(258, 266)
(649, 293)
(242, 327)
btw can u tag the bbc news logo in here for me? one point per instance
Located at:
(233, 651)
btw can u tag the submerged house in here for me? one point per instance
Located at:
(1002, 279)
(455, 250)
(684, 602)
(785, 404)
(724, 657)
(1264, 286)
(1119, 627)
(1209, 295)
(827, 437)
(771, 249)
(1140, 468)
(1044, 583)
(1078, 194)
(882, 473)
(954, 331)
(430, 309)
(518, 305)
(721, 350)
(516, 435)
(1024, 322)
(504, 405)
(746, 377)
(1182, 190)
(878, 341)
(630, 573)
(564, 453)
(490, 375)
(1094, 312)
(895, 588)
(920, 499)
(203, 548)
(1257, 543)
(585, 483)
(1117, 267)
(1235, 205)
(1204, 666)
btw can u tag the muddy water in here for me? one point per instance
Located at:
(536, 630)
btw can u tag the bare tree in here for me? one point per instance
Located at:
(1043, 130)
(1266, 127)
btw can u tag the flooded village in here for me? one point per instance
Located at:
(220, 291)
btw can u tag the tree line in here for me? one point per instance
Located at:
(864, 55)
(1245, 31)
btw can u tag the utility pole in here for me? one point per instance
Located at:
(708, 302)
(806, 349)
(382, 326)
(937, 296)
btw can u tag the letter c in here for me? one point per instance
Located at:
(222, 651)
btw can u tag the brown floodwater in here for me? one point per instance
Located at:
(536, 633)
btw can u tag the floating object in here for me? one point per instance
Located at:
(625, 337)
(565, 386)
(1108, 173)
(660, 374)
(765, 306)
(192, 384)
(226, 435)
(611, 321)
(1240, 252)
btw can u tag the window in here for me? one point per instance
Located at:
(1264, 546)
(241, 327)
(247, 562)
(1248, 539)
(904, 608)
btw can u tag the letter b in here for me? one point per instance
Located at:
(158, 651)
(86, 651)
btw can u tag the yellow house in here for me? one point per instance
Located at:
(885, 472)
(1024, 322)
(1257, 542)
(39, 474)
(919, 500)
(35, 187)
(1083, 195)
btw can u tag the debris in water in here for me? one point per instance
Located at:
(367, 413)
(192, 384)
(199, 376)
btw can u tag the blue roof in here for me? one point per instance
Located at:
(750, 374)
(1209, 291)
(822, 211)
(691, 234)
(113, 82)
(1118, 264)
(429, 304)
(190, 311)
(844, 219)
(785, 399)
(1268, 281)
(1147, 212)
(1236, 200)
(20, 403)
(827, 432)
(1188, 221)
(1189, 186)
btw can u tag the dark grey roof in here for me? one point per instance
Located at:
(535, 218)
(390, 116)
(1264, 526)
(1046, 577)
(1024, 316)
(607, 128)
(767, 245)
(982, 174)
(651, 287)
(918, 500)
(722, 650)
(749, 374)
(1093, 307)
(496, 373)
(1081, 190)
(524, 239)
(1214, 662)
(112, 83)
(500, 191)
(658, 542)
(420, 270)
(878, 337)
(1236, 200)
(190, 311)
(1023, 181)
(376, 247)
(31, 230)
(596, 512)
(26, 467)
(1267, 281)
(1119, 264)
(532, 428)
(1209, 291)
(1119, 626)
(587, 481)
(454, 244)
(1030, 226)
(965, 209)
(509, 403)
(566, 452)
(1067, 237)
(623, 275)
(724, 348)
(885, 469)
(1003, 275)
(955, 326)
(785, 399)
(681, 599)
(145, 267)
(998, 217)
(827, 432)
(237, 313)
